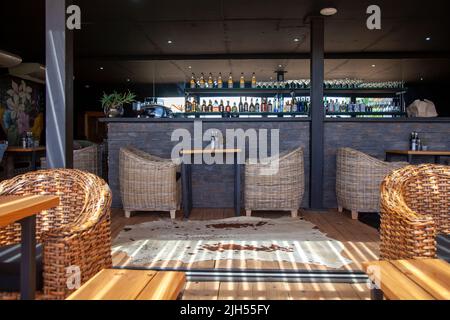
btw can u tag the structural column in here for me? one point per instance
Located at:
(317, 112)
(59, 85)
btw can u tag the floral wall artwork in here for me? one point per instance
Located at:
(21, 109)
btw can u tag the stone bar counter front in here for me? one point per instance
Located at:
(213, 185)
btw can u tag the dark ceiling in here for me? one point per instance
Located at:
(125, 36)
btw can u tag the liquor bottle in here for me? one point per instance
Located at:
(325, 105)
(257, 106)
(210, 81)
(254, 81)
(281, 104)
(204, 106)
(188, 107)
(241, 105)
(252, 106)
(220, 81)
(263, 107)
(275, 104)
(209, 108)
(215, 106)
(235, 108)
(245, 105)
(221, 106)
(242, 81)
(230, 81)
(202, 81)
(228, 107)
(193, 84)
(270, 106)
(198, 107)
(294, 105)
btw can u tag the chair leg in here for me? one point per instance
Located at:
(340, 209)
(173, 214)
(355, 215)
(248, 213)
(294, 214)
(127, 214)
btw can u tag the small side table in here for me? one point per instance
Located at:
(411, 154)
(186, 177)
(11, 152)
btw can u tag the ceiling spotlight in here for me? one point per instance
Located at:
(296, 40)
(190, 67)
(87, 86)
(128, 79)
(373, 66)
(328, 11)
(101, 68)
(428, 38)
(421, 79)
(280, 66)
(169, 41)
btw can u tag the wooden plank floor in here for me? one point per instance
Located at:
(361, 244)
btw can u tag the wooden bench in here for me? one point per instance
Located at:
(409, 279)
(115, 284)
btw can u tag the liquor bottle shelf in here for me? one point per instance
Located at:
(240, 114)
(371, 114)
(259, 92)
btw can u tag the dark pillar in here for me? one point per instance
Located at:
(59, 85)
(317, 112)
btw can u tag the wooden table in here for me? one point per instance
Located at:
(117, 284)
(23, 209)
(11, 152)
(409, 279)
(186, 176)
(410, 154)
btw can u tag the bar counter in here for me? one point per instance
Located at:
(213, 185)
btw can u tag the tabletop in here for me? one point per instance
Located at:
(24, 150)
(209, 151)
(422, 279)
(121, 284)
(420, 153)
(16, 208)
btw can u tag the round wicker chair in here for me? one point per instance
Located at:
(415, 207)
(76, 233)
(148, 183)
(358, 180)
(282, 190)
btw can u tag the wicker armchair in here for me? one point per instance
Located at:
(76, 233)
(85, 159)
(358, 180)
(415, 208)
(148, 183)
(283, 190)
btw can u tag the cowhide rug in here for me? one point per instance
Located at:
(243, 238)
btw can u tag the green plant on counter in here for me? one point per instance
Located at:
(113, 103)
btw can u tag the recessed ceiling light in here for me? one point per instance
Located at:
(296, 40)
(428, 38)
(169, 41)
(373, 66)
(328, 11)
(421, 79)
(101, 68)
(280, 66)
(190, 67)
(87, 86)
(128, 79)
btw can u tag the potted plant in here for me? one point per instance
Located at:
(113, 103)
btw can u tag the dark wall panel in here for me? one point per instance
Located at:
(212, 185)
(374, 138)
